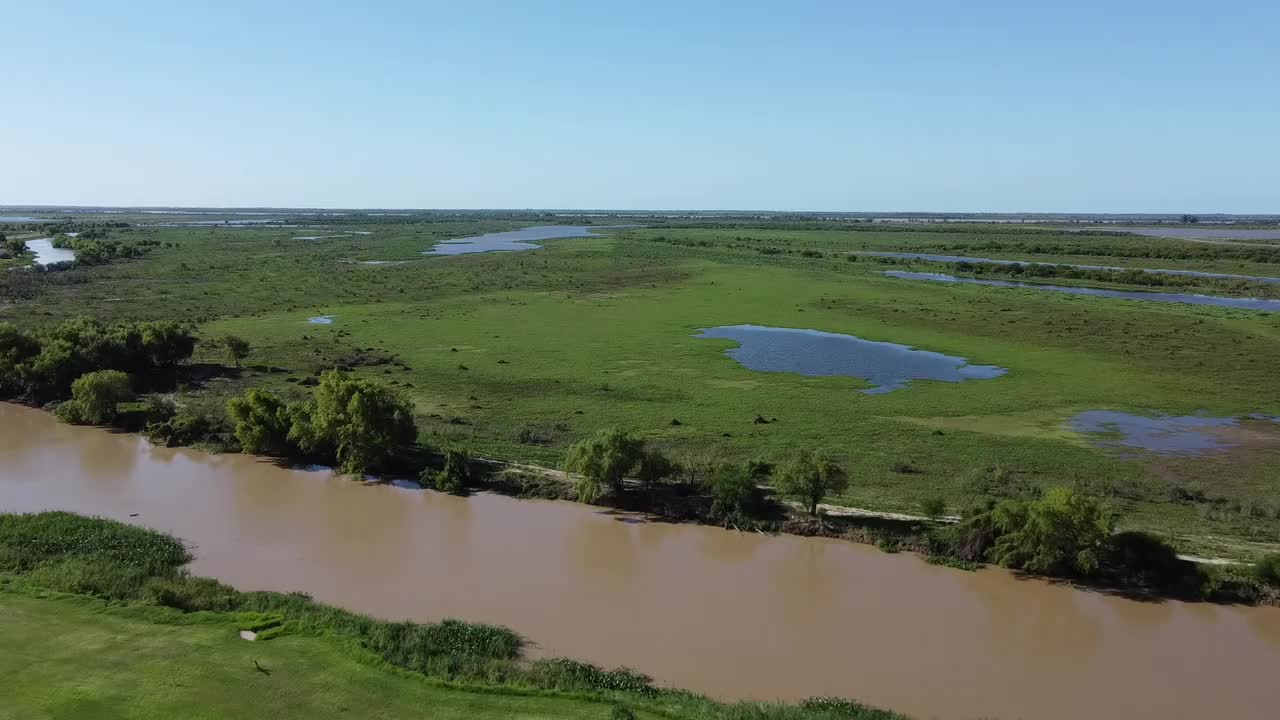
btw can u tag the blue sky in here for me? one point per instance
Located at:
(1120, 106)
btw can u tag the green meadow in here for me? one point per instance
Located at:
(514, 356)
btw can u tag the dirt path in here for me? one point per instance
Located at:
(847, 511)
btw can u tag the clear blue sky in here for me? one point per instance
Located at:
(1125, 105)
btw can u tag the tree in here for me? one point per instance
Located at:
(94, 397)
(810, 478)
(454, 477)
(602, 461)
(361, 424)
(733, 491)
(262, 422)
(237, 348)
(16, 348)
(653, 468)
(1062, 533)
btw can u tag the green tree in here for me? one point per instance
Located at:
(94, 397)
(237, 348)
(361, 424)
(733, 491)
(653, 468)
(454, 477)
(262, 421)
(810, 478)
(602, 461)
(1062, 533)
(16, 348)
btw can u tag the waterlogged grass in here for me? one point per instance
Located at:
(517, 355)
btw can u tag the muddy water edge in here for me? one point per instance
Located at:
(734, 615)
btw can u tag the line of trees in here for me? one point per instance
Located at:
(41, 366)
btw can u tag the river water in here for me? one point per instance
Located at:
(731, 614)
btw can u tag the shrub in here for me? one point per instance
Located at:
(654, 467)
(190, 427)
(572, 675)
(262, 422)
(810, 478)
(1063, 533)
(94, 397)
(733, 491)
(236, 347)
(454, 477)
(933, 507)
(1267, 570)
(759, 468)
(602, 461)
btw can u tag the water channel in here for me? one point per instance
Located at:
(731, 614)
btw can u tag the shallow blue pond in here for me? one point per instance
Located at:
(1162, 434)
(510, 241)
(888, 366)
(1184, 298)
(992, 261)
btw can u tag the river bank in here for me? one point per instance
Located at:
(735, 615)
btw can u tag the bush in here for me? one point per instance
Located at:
(454, 477)
(572, 675)
(933, 507)
(733, 491)
(236, 347)
(262, 422)
(654, 467)
(94, 397)
(1063, 533)
(1267, 570)
(810, 478)
(602, 461)
(191, 427)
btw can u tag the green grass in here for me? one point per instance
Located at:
(80, 658)
(517, 355)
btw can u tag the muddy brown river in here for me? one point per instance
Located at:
(731, 614)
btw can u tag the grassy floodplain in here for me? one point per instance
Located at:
(516, 355)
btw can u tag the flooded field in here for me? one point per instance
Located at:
(888, 366)
(1183, 298)
(47, 254)
(991, 261)
(510, 241)
(1196, 233)
(1164, 434)
(727, 613)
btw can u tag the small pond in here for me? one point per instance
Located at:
(321, 320)
(993, 261)
(1184, 298)
(47, 254)
(510, 241)
(888, 366)
(1161, 434)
